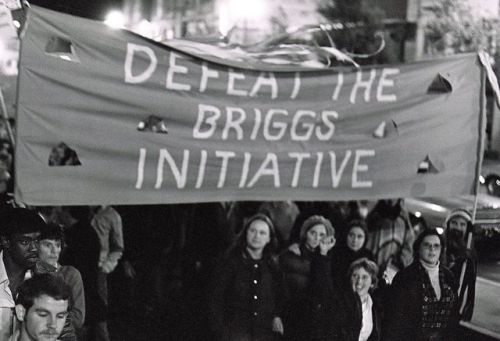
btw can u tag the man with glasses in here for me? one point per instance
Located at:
(19, 236)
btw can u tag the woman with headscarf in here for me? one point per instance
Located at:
(424, 298)
(352, 249)
(295, 265)
(244, 288)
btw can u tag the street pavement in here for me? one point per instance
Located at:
(486, 318)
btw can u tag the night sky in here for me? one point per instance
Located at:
(83, 8)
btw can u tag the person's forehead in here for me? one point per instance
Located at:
(431, 239)
(459, 220)
(32, 235)
(360, 271)
(48, 303)
(259, 224)
(357, 230)
(317, 227)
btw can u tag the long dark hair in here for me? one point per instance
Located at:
(240, 242)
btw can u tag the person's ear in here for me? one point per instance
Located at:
(4, 242)
(20, 312)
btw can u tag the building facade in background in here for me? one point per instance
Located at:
(242, 20)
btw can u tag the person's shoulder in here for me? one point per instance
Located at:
(230, 258)
(290, 254)
(286, 255)
(105, 211)
(289, 259)
(366, 253)
(70, 271)
(448, 274)
(407, 274)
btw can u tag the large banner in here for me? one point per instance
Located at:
(108, 117)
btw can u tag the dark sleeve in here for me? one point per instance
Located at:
(398, 323)
(342, 305)
(322, 286)
(369, 254)
(281, 294)
(470, 289)
(220, 281)
(74, 281)
(453, 324)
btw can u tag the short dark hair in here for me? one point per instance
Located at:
(20, 221)
(420, 239)
(370, 266)
(358, 223)
(43, 284)
(52, 231)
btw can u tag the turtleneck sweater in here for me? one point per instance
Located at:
(433, 272)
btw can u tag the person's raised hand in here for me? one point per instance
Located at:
(278, 325)
(326, 244)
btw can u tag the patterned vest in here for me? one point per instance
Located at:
(436, 314)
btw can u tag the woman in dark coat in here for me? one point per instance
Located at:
(424, 296)
(295, 265)
(348, 311)
(351, 250)
(244, 288)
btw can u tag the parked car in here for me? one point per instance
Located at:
(432, 212)
(490, 175)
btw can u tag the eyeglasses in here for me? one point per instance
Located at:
(431, 246)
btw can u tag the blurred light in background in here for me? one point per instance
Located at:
(144, 28)
(115, 19)
(247, 10)
(243, 14)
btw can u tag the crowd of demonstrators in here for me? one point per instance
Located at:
(242, 271)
